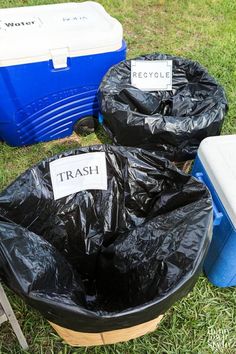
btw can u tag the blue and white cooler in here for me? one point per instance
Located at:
(52, 60)
(215, 165)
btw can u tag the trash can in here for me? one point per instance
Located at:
(102, 240)
(172, 121)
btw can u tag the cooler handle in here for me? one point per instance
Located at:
(217, 215)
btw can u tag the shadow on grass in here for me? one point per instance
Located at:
(102, 135)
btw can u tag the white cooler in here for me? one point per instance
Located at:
(215, 165)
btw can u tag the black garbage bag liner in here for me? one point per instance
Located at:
(171, 122)
(99, 260)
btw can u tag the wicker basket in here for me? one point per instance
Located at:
(82, 339)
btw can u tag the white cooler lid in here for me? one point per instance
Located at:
(218, 156)
(39, 33)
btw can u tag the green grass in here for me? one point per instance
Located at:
(204, 30)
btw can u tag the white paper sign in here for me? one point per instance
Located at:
(152, 75)
(76, 173)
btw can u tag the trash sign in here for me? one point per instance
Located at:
(76, 173)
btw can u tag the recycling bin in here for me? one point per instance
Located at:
(172, 121)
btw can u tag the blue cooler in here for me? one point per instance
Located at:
(215, 165)
(52, 60)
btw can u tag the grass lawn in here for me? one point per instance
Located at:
(204, 30)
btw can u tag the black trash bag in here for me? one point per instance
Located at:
(100, 260)
(171, 122)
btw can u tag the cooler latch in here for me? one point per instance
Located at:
(59, 57)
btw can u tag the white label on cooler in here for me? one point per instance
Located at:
(20, 23)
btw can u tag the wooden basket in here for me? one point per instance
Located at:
(82, 339)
